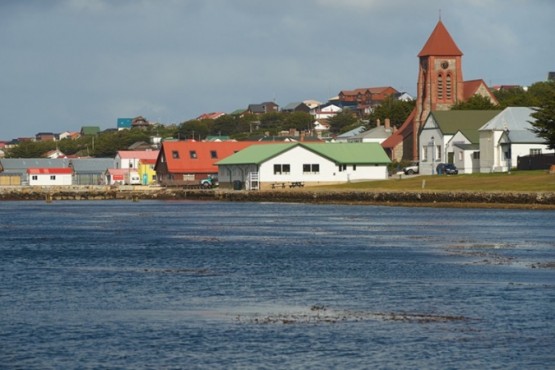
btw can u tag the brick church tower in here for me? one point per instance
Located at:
(440, 86)
(440, 79)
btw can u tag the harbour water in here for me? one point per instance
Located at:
(221, 285)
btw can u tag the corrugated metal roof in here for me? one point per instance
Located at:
(466, 121)
(92, 165)
(138, 154)
(49, 171)
(516, 120)
(14, 164)
(344, 153)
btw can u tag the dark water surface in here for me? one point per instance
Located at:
(215, 285)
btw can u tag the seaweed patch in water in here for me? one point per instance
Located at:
(323, 315)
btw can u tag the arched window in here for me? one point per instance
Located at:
(448, 86)
(440, 86)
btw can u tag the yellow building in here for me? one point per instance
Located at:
(146, 171)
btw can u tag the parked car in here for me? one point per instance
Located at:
(446, 169)
(210, 182)
(411, 169)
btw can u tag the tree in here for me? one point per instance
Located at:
(476, 102)
(299, 120)
(396, 110)
(342, 121)
(31, 149)
(195, 129)
(272, 122)
(107, 144)
(544, 126)
(513, 97)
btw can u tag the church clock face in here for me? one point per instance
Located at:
(444, 64)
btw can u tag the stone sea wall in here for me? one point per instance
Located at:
(529, 200)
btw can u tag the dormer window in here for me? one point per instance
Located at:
(213, 154)
(193, 154)
(175, 154)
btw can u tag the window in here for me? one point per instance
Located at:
(188, 177)
(193, 154)
(535, 152)
(460, 156)
(175, 154)
(438, 154)
(342, 167)
(34, 177)
(475, 155)
(354, 167)
(311, 168)
(440, 86)
(213, 154)
(448, 87)
(52, 177)
(424, 153)
(282, 168)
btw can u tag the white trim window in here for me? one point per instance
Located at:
(280, 169)
(313, 168)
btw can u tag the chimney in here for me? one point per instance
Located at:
(387, 123)
(302, 136)
(378, 122)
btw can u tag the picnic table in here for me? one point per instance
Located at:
(295, 184)
(278, 185)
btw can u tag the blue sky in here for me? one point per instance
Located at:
(71, 63)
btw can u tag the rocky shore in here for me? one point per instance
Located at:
(526, 200)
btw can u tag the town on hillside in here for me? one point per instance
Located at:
(452, 126)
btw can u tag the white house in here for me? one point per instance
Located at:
(377, 134)
(130, 159)
(260, 166)
(326, 111)
(50, 176)
(507, 136)
(447, 132)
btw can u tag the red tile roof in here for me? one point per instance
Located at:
(204, 161)
(404, 131)
(440, 43)
(50, 171)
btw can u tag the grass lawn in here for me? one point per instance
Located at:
(516, 181)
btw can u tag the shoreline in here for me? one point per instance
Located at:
(501, 200)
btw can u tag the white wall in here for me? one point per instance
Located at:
(296, 157)
(429, 158)
(519, 150)
(46, 180)
(492, 157)
(328, 171)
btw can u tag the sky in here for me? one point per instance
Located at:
(65, 64)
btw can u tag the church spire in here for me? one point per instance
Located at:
(440, 43)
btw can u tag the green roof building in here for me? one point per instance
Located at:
(286, 164)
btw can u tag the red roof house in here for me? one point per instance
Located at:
(52, 176)
(182, 162)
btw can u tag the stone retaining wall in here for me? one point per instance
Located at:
(440, 199)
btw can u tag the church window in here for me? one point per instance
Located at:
(448, 86)
(440, 86)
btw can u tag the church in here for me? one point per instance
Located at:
(440, 86)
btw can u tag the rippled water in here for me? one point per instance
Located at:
(212, 285)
